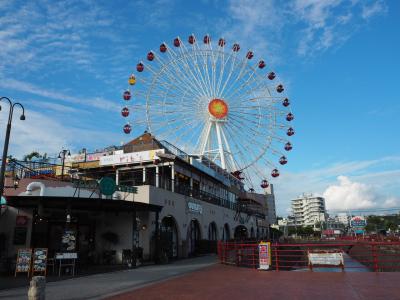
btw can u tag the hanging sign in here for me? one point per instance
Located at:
(39, 261)
(23, 263)
(264, 255)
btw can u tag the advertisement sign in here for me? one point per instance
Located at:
(358, 222)
(127, 158)
(39, 260)
(81, 157)
(325, 258)
(264, 255)
(23, 263)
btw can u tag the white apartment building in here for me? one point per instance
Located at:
(309, 209)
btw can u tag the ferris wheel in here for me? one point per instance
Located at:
(214, 101)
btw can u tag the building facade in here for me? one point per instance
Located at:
(308, 210)
(164, 201)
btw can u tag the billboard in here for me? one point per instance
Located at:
(358, 222)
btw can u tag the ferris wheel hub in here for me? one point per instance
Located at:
(218, 108)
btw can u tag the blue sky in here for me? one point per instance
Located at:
(68, 62)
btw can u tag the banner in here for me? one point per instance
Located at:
(264, 255)
(127, 158)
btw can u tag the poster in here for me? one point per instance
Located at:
(264, 255)
(68, 241)
(39, 260)
(23, 263)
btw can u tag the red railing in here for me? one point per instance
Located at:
(362, 256)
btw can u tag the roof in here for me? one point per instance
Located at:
(89, 204)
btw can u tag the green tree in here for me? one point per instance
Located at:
(35, 154)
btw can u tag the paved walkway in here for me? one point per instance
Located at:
(107, 284)
(229, 282)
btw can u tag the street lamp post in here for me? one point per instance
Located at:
(7, 138)
(62, 155)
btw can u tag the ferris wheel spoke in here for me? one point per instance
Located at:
(214, 56)
(241, 150)
(240, 75)
(241, 89)
(187, 59)
(186, 126)
(204, 69)
(229, 74)
(172, 82)
(184, 69)
(177, 78)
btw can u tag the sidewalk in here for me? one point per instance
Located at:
(107, 284)
(230, 282)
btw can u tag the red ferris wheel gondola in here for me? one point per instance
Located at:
(191, 39)
(283, 160)
(289, 117)
(286, 102)
(290, 131)
(221, 42)
(140, 67)
(249, 55)
(127, 95)
(150, 56)
(236, 47)
(288, 146)
(280, 88)
(271, 75)
(125, 112)
(275, 173)
(163, 48)
(261, 64)
(264, 184)
(177, 42)
(206, 39)
(127, 128)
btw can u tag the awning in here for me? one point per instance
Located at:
(77, 203)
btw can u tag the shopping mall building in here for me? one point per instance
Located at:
(146, 195)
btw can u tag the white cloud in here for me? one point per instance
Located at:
(42, 133)
(349, 195)
(26, 87)
(377, 8)
(382, 175)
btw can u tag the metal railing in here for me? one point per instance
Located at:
(361, 256)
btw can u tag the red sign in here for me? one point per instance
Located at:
(21, 221)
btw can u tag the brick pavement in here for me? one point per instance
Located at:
(228, 282)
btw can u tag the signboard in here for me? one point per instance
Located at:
(39, 260)
(128, 158)
(107, 186)
(72, 255)
(23, 263)
(89, 157)
(325, 258)
(358, 222)
(195, 208)
(264, 255)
